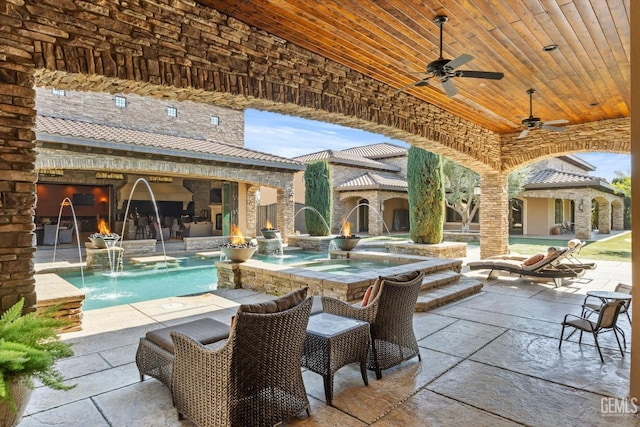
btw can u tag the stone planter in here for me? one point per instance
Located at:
(238, 254)
(270, 233)
(346, 243)
(21, 393)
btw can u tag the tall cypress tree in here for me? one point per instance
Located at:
(317, 184)
(426, 196)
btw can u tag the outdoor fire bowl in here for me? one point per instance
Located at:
(346, 243)
(102, 241)
(238, 254)
(269, 233)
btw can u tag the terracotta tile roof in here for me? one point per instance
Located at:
(346, 158)
(374, 181)
(96, 135)
(378, 151)
(552, 178)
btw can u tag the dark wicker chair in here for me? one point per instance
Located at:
(253, 379)
(391, 317)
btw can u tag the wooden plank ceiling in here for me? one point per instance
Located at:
(586, 79)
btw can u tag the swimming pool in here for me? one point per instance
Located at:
(142, 282)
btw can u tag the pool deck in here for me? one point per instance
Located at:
(488, 360)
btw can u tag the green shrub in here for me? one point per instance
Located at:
(426, 196)
(317, 183)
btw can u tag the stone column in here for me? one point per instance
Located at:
(618, 215)
(252, 209)
(17, 163)
(286, 210)
(494, 215)
(375, 212)
(582, 224)
(604, 217)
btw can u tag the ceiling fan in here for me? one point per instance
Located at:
(446, 69)
(535, 123)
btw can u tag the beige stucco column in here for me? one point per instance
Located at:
(285, 210)
(634, 391)
(494, 215)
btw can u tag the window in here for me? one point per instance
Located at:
(59, 92)
(172, 112)
(559, 217)
(120, 101)
(215, 120)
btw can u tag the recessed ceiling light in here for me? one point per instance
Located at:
(550, 47)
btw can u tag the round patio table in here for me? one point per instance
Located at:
(609, 295)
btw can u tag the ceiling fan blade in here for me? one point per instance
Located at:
(449, 88)
(480, 74)
(556, 122)
(523, 133)
(553, 128)
(422, 82)
(457, 62)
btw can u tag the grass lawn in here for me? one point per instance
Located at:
(617, 248)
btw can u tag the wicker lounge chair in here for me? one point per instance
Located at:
(548, 266)
(252, 379)
(390, 314)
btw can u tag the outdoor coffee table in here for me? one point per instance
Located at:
(332, 342)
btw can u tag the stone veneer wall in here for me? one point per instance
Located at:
(145, 114)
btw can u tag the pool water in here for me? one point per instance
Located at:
(344, 267)
(143, 282)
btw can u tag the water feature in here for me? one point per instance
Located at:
(147, 281)
(155, 207)
(312, 209)
(376, 211)
(67, 202)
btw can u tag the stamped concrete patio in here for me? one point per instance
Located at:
(488, 360)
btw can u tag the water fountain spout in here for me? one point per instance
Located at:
(67, 202)
(312, 209)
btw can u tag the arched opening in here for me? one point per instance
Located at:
(516, 216)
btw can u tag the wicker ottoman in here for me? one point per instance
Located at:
(156, 353)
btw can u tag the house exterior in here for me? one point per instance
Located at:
(93, 148)
(559, 197)
(370, 190)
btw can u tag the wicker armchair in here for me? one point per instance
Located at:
(253, 379)
(391, 317)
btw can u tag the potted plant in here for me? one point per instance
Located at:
(29, 348)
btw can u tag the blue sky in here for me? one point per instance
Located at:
(289, 136)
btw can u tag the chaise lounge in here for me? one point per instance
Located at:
(547, 265)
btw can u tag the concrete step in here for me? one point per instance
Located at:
(453, 291)
(439, 278)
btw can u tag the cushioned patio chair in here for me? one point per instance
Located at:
(607, 318)
(254, 377)
(390, 314)
(65, 234)
(50, 234)
(547, 265)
